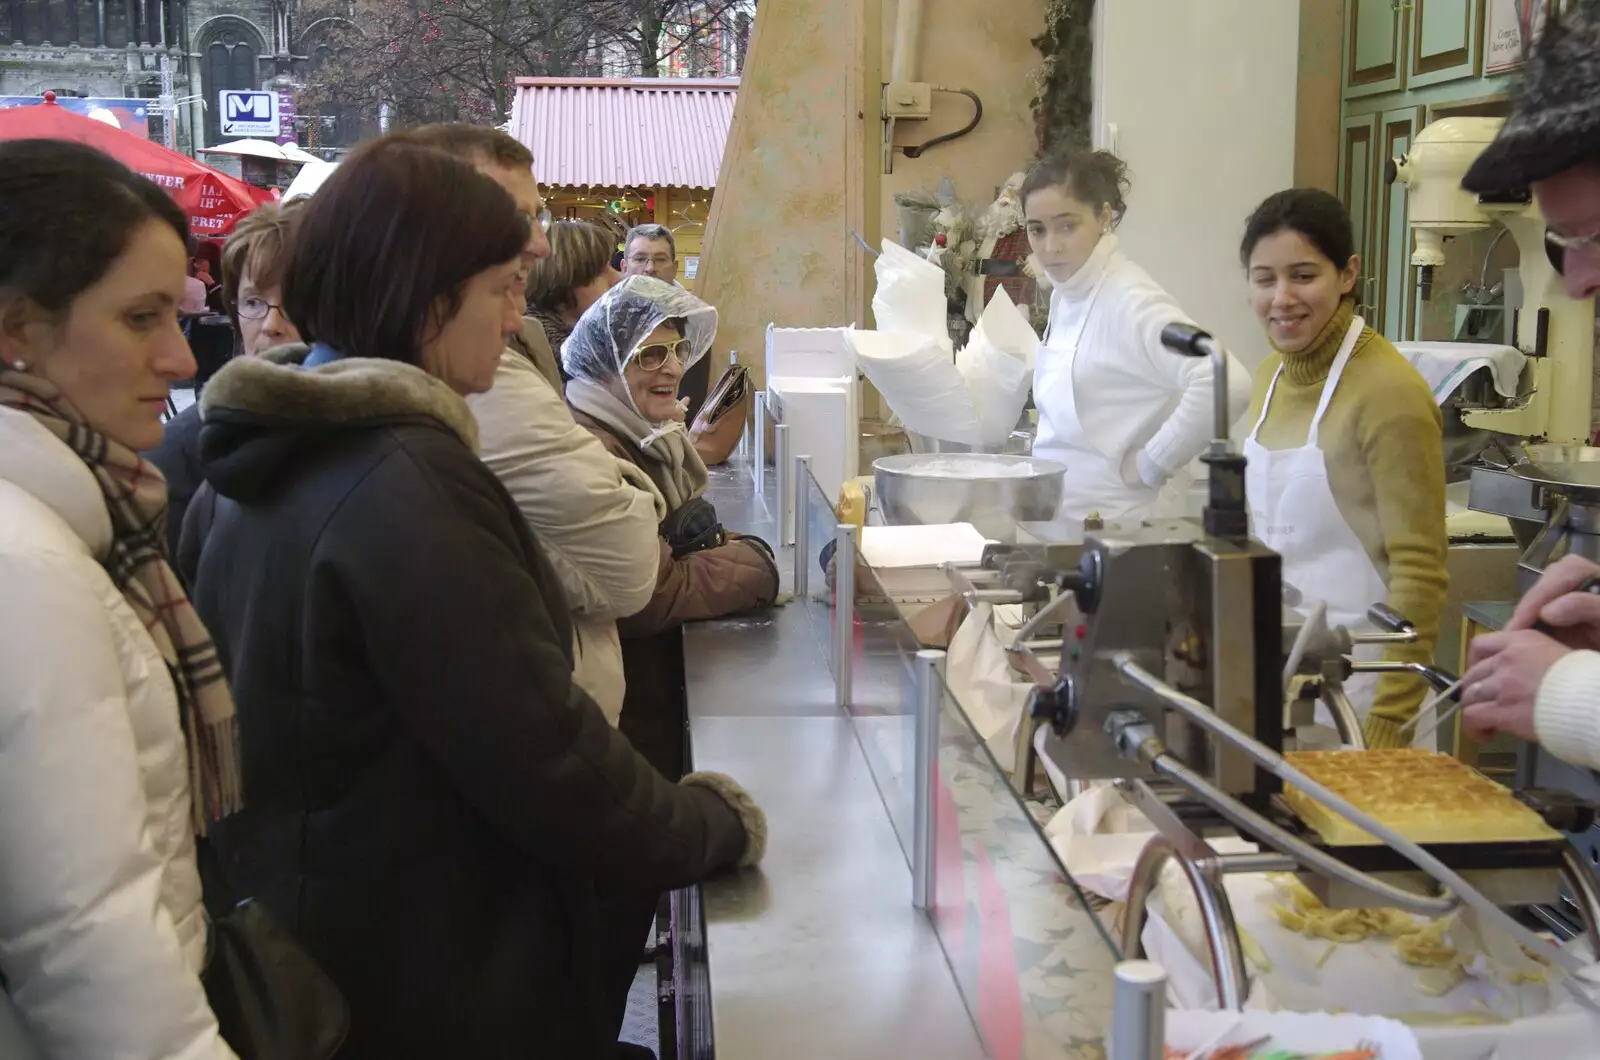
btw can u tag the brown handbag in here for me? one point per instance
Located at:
(717, 428)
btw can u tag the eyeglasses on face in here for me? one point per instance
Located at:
(1557, 246)
(253, 308)
(655, 355)
(660, 261)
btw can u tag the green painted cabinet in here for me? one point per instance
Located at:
(1375, 47)
(1446, 41)
(1396, 291)
(1358, 170)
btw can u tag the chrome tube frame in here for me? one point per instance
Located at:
(759, 443)
(1222, 931)
(802, 528)
(780, 435)
(1580, 877)
(1345, 719)
(928, 688)
(844, 610)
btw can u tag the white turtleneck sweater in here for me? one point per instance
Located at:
(1137, 414)
(1566, 713)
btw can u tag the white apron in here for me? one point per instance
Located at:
(1093, 483)
(1294, 513)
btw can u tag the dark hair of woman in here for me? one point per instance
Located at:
(1098, 178)
(66, 213)
(1319, 217)
(382, 252)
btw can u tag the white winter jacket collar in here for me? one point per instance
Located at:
(36, 461)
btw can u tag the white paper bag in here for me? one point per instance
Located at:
(978, 673)
(910, 295)
(997, 366)
(920, 382)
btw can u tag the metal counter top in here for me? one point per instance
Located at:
(819, 953)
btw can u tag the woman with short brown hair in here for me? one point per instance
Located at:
(434, 804)
(253, 263)
(569, 281)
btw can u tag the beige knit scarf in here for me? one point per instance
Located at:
(669, 456)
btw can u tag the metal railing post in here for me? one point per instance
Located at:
(1139, 1011)
(780, 438)
(844, 611)
(759, 443)
(928, 688)
(802, 527)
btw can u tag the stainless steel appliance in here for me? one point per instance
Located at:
(993, 492)
(1551, 493)
(1174, 684)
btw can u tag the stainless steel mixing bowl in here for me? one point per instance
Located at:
(926, 488)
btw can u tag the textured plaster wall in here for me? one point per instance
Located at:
(795, 177)
(986, 47)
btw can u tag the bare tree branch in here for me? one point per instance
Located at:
(436, 60)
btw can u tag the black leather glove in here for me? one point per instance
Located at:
(693, 527)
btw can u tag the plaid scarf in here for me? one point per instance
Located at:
(136, 499)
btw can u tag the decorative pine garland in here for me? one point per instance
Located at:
(1063, 88)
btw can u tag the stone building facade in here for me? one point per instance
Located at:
(116, 48)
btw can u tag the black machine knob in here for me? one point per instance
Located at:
(1058, 705)
(995, 555)
(1185, 339)
(1084, 583)
(1391, 170)
(1561, 810)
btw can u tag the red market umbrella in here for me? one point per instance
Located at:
(213, 200)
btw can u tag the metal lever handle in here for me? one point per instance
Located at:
(1185, 339)
(1389, 620)
(1193, 342)
(1439, 679)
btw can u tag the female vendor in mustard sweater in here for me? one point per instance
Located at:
(1346, 466)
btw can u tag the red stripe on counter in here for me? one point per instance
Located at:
(999, 982)
(949, 874)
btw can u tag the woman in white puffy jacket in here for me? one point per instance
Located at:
(103, 665)
(1125, 414)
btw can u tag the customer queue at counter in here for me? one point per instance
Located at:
(384, 635)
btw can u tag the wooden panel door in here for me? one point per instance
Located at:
(1446, 41)
(1374, 47)
(1391, 236)
(1358, 169)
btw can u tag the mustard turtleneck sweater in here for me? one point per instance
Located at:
(1382, 441)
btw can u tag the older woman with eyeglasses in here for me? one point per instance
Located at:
(625, 357)
(253, 262)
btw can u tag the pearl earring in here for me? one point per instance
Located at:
(21, 366)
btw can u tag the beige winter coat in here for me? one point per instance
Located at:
(596, 516)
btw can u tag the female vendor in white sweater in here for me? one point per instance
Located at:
(1124, 413)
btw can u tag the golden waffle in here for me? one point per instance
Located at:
(1425, 796)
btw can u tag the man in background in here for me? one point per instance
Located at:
(650, 250)
(503, 158)
(1544, 683)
